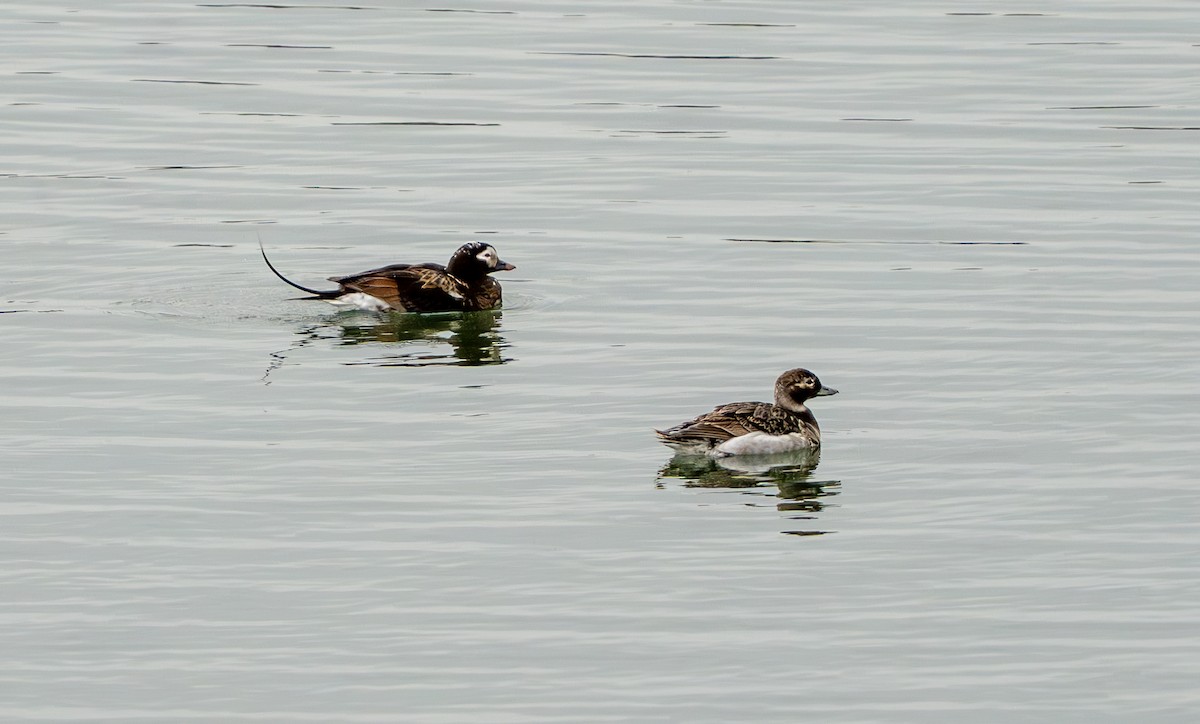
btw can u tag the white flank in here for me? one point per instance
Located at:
(760, 443)
(687, 448)
(358, 300)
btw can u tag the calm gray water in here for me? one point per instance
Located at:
(978, 221)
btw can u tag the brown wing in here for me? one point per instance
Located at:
(736, 419)
(410, 287)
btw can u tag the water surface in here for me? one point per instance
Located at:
(222, 504)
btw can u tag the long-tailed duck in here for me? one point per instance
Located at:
(463, 285)
(755, 428)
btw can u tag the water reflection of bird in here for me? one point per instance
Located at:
(464, 284)
(755, 428)
(786, 477)
(466, 339)
(745, 471)
(472, 338)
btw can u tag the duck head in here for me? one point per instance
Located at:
(795, 386)
(474, 261)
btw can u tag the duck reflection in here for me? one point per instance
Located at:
(413, 340)
(784, 478)
(464, 338)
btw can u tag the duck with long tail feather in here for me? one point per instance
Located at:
(462, 285)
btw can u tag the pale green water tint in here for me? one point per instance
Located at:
(224, 505)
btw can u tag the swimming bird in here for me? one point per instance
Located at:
(755, 428)
(463, 285)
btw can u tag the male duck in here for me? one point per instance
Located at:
(463, 285)
(755, 428)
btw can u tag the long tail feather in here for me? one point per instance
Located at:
(276, 272)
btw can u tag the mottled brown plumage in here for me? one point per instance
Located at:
(464, 285)
(739, 428)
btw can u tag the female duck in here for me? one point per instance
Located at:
(463, 285)
(755, 428)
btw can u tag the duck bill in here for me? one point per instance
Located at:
(502, 265)
(825, 391)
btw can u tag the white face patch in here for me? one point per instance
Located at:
(488, 256)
